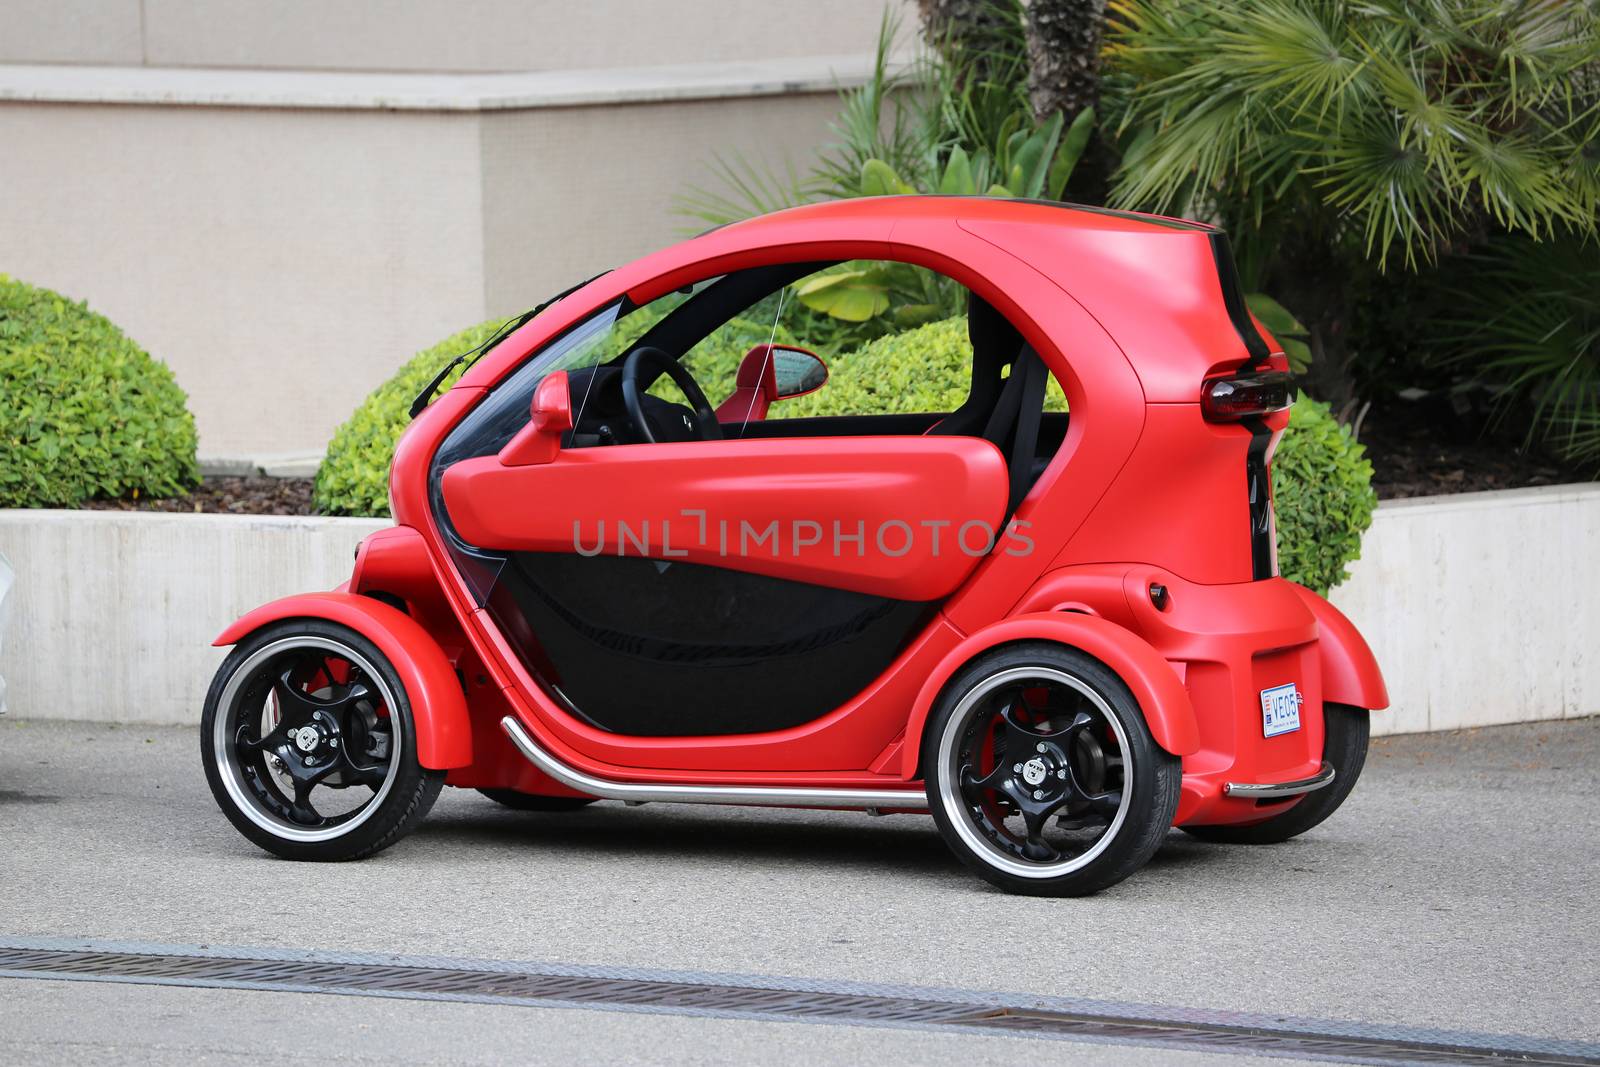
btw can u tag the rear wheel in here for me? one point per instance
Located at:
(309, 745)
(1345, 747)
(511, 798)
(1042, 775)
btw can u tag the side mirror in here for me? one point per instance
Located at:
(767, 374)
(797, 371)
(550, 418)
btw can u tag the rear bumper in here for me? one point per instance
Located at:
(1228, 644)
(1276, 790)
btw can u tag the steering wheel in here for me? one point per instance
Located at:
(705, 428)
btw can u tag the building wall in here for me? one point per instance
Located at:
(570, 192)
(283, 260)
(431, 35)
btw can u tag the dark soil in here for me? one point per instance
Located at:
(1418, 451)
(1414, 452)
(228, 496)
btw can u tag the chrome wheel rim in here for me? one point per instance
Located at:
(301, 717)
(1023, 748)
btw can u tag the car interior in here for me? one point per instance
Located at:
(1004, 402)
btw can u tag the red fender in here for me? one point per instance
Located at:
(1350, 673)
(444, 733)
(1154, 683)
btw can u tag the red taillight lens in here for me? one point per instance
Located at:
(1245, 396)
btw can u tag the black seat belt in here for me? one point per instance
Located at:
(1026, 442)
(1016, 416)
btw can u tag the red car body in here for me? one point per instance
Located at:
(1146, 551)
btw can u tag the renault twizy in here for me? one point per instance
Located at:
(1055, 626)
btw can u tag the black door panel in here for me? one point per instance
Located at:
(653, 649)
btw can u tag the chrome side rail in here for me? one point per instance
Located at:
(1267, 790)
(764, 795)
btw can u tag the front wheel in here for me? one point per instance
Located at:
(1042, 775)
(309, 745)
(1345, 747)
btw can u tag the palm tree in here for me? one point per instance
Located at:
(1333, 134)
(1064, 55)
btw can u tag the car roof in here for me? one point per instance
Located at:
(987, 208)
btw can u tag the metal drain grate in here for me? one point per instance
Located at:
(525, 985)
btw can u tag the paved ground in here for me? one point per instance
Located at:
(1457, 889)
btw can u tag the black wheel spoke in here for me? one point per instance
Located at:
(1104, 803)
(1034, 816)
(995, 779)
(356, 771)
(302, 812)
(271, 741)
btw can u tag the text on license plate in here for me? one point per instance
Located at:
(1280, 710)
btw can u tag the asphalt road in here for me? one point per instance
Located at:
(1457, 889)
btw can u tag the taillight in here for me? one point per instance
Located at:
(1246, 396)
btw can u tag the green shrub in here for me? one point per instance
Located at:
(926, 369)
(86, 412)
(1322, 493)
(353, 478)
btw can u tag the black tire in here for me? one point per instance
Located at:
(1345, 746)
(966, 809)
(242, 782)
(516, 801)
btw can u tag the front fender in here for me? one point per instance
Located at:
(1155, 685)
(444, 733)
(1350, 673)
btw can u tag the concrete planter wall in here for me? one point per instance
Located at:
(1482, 607)
(115, 611)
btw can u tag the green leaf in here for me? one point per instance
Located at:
(957, 179)
(1030, 163)
(908, 315)
(1274, 316)
(1071, 150)
(851, 295)
(879, 179)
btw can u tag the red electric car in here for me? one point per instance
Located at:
(1055, 626)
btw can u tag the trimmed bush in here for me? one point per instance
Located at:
(87, 412)
(353, 478)
(928, 369)
(1322, 493)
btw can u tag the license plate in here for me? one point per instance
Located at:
(1280, 710)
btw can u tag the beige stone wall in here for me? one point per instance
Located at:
(283, 261)
(570, 192)
(430, 35)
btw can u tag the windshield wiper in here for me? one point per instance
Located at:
(506, 330)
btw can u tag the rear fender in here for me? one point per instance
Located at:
(1155, 685)
(444, 733)
(1350, 672)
